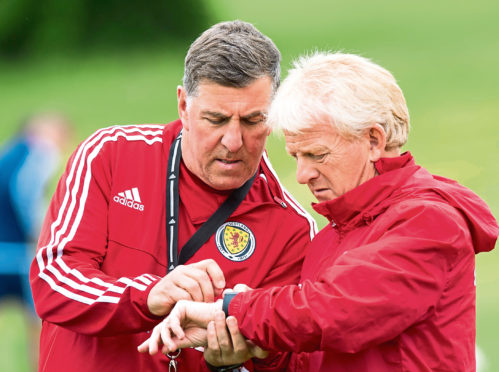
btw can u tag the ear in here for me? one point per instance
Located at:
(182, 106)
(377, 142)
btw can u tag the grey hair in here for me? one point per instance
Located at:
(232, 54)
(347, 91)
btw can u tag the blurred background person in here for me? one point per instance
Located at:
(28, 163)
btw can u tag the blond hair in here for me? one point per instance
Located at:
(347, 91)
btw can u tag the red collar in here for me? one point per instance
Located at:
(368, 199)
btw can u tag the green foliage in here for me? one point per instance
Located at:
(60, 26)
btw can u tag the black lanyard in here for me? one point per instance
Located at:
(172, 201)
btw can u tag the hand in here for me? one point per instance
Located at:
(184, 327)
(201, 281)
(194, 336)
(238, 288)
(228, 348)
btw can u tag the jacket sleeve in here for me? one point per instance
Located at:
(369, 295)
(295, 239)
(69, 289)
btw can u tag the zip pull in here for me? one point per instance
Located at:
(280, 201)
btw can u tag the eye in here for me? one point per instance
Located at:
(215, 121)
(254, 120)
(318, 157)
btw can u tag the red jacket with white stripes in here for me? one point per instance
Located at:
(103, 247)
(388, 285)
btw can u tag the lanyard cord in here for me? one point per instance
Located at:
(172, 175)
(202, 235)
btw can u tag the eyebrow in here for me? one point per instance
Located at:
(254, 114)
(215, 114)
(313, 149)
(223, 116)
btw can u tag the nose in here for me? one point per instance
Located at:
(305, 172)
(233, 137)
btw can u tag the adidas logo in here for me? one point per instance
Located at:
(130, 199)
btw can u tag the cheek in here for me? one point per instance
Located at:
(255, 142)
(339, 174)
(333, 175)
(207, 140)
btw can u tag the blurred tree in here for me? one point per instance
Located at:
(28, 26)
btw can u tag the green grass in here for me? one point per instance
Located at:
(13, 339)
(444, 54)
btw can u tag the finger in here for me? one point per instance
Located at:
(241, 288)
(223, 337)
(214, 271)
(165, 350)
(177, 293)
(217, 292)
(238, 340)
(174, 322)
(212, 351)
(165, 294)
(154, 340)
(241, 348)
(191, 285)
(143, 347)
(211, 335)
(257, 351)
(166, 337)
(177, 330)
(208, 289)
(204, 283)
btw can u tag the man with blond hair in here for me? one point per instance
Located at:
(388, 284)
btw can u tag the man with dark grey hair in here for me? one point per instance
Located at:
(148, 215)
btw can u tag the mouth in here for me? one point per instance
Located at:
(229, 164)
(320, 194)
(226, 161)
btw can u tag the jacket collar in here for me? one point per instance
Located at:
(365, 202)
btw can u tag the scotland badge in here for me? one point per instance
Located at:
(235, 241)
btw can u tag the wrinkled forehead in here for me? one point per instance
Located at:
(311, 136)
(254, 97)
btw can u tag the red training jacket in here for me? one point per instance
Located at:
(103, 247)
(388, 285)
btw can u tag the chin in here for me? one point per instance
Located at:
(229, 184)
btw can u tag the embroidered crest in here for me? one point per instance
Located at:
(235, 241)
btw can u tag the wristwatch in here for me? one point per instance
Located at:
(228, 296)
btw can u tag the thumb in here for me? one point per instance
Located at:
(241, 288)
(257, 351)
